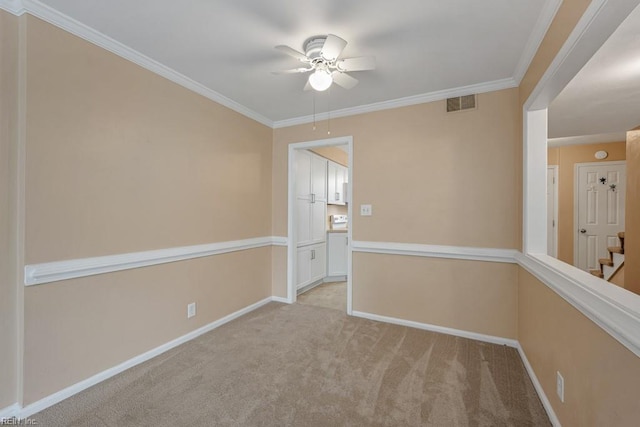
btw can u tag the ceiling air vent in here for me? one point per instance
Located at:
(459, 103)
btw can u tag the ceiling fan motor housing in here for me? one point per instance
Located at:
(313, 47)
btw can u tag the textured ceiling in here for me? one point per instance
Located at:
(421, 46)
(603, 100)
(425, 50)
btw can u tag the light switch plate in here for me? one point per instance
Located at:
(366, 210)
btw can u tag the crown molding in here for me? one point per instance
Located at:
(540, 29)
(587, 139)
(60, 20)
(15, 7)
(54, 17)
(439, 95)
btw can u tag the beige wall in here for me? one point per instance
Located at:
(8, 145)
(473, 296)
(432, 178)
(121, 160)
(600, 374)
(77, 328)
(618, 277)
(566, 158)
(632, 215)
(424, 171)
(601, 386)
(279, 271)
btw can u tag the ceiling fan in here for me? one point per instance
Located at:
(321, 56)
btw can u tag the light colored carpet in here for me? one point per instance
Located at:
(330, 295)
(302, 365)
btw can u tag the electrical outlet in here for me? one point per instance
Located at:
(366, 210)
(560, 386)
(191, 310)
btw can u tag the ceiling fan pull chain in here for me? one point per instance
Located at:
(329, 112)
(314, 111)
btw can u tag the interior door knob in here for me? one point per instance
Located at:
(582, 230)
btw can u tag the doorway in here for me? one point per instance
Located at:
(295, 254)
(599, 215)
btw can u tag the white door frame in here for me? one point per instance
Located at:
(555, 210)
(576, 217)
(291, 229)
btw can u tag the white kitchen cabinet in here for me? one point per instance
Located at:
(337, 177)
(311, 198)
(337, 250)
(311, 264)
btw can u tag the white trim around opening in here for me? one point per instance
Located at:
(291, 247)
(614, 309)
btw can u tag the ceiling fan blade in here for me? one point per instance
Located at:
(292, 52)
(344, 79)
(332, 47)
(362, 63)
(293, 71)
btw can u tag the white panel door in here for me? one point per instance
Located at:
(311, 198)
(319, 178)
(303, 174)
(332, 194)
(318, 262)
(303, 198)
(303, 267)
(600, 201)
(318, 221)
(303, 221)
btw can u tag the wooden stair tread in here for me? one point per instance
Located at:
(606, 261)
(615, 249)
(597, 273)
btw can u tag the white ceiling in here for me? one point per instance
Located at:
(603, 101)
(421, 46)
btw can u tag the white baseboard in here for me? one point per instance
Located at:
(441, 329)
(15, 410)
(308, 287)
(9, 412)
(106, 374)
(536, 384)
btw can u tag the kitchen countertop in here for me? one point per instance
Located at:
(338, 230)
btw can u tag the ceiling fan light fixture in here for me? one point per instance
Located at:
(320, 80)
